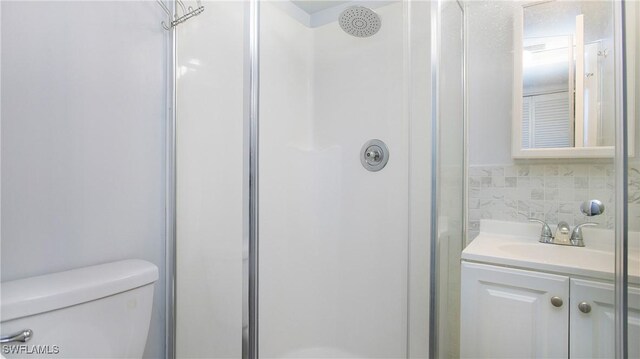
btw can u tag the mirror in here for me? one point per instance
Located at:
(564, 80)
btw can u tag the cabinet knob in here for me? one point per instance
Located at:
(556, 302)
(584, 307)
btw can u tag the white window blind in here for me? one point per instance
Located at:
(526, 111)
(546, 121)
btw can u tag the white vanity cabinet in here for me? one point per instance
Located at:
(592, 320)
(514, 313)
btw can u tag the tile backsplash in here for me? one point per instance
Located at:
(552, 192)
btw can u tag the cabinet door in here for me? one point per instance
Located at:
(507, 313)
(592, 333)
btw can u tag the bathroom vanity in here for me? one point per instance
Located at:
(522, 298)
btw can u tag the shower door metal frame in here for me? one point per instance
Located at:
(250, 237)
(435, 142)
(621, 183)
(170, 195)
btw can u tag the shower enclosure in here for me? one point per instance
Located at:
(339, 110)
(329, 267)
(322, 174)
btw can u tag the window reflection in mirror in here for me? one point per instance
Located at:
(567, 75)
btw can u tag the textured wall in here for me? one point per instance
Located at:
(83, 139)
(549, 192)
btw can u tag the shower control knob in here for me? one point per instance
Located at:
(374, 155)
(556, 302)
(584, 307)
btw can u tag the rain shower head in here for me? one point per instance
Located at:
(360, 21)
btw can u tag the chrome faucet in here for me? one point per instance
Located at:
(563, 233)
(546, 236)
(563, 236)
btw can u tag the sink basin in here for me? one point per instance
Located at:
(511, 245)
(538, 250)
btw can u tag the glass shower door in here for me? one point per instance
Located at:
(333, 232)
(449, 211)
(632, 16)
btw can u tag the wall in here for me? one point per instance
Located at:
(210, 120)
(333, 236)
(499, 187)
(83, 139)
(489, 81)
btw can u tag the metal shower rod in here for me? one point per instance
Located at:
(187, 13)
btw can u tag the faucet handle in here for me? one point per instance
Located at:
(576, 234)
(546, 236)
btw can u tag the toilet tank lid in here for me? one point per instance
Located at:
(33, 295)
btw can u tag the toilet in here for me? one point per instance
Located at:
(101, 311)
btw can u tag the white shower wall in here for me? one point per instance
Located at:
(333, 236)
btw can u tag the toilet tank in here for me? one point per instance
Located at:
(101, 311)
